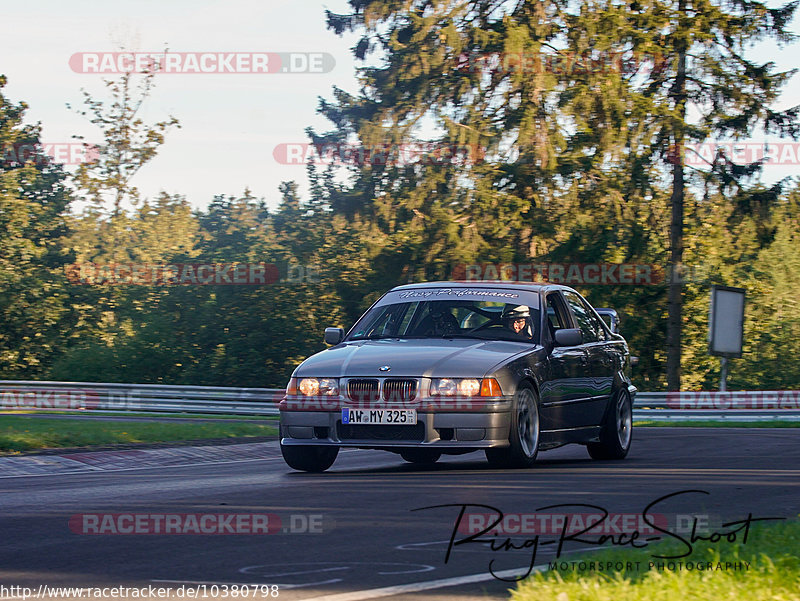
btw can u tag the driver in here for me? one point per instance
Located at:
(518, 320)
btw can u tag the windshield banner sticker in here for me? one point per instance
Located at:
(457, 292)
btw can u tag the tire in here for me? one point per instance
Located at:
(617, 431)
(523, 436)
(421, 456)
(309, 458)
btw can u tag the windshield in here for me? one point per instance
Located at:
(486, 320)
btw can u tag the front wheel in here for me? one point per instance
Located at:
(617, 431)
(308, 458)
(523, 436)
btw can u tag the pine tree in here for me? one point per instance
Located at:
(692, 82)
(600, 99)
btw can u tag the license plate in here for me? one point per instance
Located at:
(379, 416)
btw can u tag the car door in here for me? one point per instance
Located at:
(598, 377)
(604, 355)
(564, 390)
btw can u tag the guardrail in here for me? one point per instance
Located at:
(82, 396)
(752, 405)
(735, 405)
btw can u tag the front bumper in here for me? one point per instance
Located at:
(442, 428)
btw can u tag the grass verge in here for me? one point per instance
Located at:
(774, 573)
(716, 424)
(19, 433)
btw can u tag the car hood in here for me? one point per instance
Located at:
(412, 358)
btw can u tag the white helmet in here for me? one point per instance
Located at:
(518, 312)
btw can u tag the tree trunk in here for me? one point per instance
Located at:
(674, 318)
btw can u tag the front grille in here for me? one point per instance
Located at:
(415, 433)
(363, 391)
(399, 391)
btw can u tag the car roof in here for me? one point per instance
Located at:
(527, 286)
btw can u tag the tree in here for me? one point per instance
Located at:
(731, 249)
(128, 142)
(109, 230)
(126, 331)
(613, 94)
(705, 87)
(33, 200)
(772, 334)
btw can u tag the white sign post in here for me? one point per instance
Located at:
(726, 326)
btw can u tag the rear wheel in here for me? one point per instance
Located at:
(421, 456)
(523, 434)
(617, 431)
(309, 458)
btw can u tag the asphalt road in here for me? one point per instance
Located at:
(365, 534)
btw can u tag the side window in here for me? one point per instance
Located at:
(556, 317)
(592, 331)
(598, 322)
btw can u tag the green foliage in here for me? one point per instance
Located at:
(209, 335)
(599, 100)
(772, 327)
(33, 197)
(554, 162)
(128, 142)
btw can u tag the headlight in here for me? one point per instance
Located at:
(465, 387)
(455, 386)
(444, 387)
(318, 386)
(469, 387)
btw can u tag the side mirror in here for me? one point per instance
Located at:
(611, 317)
(334, 335)
(569, 337)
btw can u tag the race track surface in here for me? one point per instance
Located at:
(351, 532)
